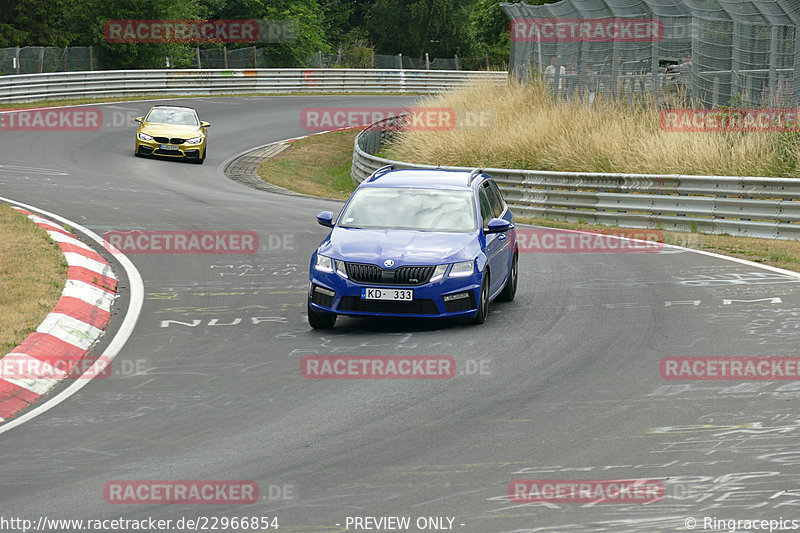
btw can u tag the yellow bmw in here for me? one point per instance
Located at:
(172, 131)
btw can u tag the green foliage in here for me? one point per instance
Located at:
(27, 22)
(414, 27)
(355, 28)
(357, 54)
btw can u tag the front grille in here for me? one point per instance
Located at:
(363, 273)
(412, 275)
(321, 299)
(462, 304)
(406, 275)
(414, 307)
(162, 140)
(159, 151)
(177, 140)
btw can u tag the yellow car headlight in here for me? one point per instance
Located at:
(144, 136)
(195, 140)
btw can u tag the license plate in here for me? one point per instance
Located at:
(402, 295)
(168, 146)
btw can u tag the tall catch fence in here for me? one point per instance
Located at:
(704, 53)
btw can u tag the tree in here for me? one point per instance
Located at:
(32, 23)
(413, 27)
(87, 18)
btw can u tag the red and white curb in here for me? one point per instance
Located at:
(65, 336)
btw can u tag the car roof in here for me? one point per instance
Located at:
(177, 107)
(416, 178)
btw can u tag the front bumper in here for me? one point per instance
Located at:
(429, 298)
(184, 151)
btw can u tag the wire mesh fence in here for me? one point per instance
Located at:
(36, 59)
(705, 53)
(399, 61)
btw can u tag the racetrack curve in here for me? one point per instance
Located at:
(569, 386)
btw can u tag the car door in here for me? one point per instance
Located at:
(496, 243)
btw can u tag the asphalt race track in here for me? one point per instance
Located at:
(561, 384)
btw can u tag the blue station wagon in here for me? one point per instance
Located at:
(415, 243)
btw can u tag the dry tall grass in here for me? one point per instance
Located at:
(533, 132)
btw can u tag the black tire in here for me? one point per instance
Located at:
(320, 320)
(507, 295)
(483, 301)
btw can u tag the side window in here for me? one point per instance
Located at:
(496, 198)
(486, 206)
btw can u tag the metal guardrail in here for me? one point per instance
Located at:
(746, 206)
(30, 87)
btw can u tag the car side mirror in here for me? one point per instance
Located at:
(204, 124)
(498, 225)
(139, 119)
(325, 219)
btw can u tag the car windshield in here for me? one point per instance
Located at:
(412, 209)
(178, 117)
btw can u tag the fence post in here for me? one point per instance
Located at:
(197, 55)
(458, 64)
(715, 95)
(255, 58)
(91, 58)
(225, 56)
(16, 55)
(41, 59)
(487, 62)
(427, 61)
(319, 58)
(399, 61)
(66, 55)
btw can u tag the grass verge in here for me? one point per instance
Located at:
(530, 131)
(318, 165)
(32, 276)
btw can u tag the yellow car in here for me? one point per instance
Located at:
(172, 131)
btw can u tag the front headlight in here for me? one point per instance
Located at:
(194, 140)
(341, 268)
(464, 268)
(438, 273)
(144, 136)
(325, 264)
